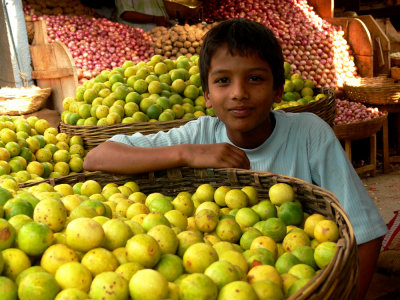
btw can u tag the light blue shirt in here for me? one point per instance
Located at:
(302, 146)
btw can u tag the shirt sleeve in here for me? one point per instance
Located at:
(200, 131)
(331, 169)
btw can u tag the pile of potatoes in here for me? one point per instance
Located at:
(179, 39)
(55, 7)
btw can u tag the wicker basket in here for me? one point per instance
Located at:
(337, 280)
(21, 101)
(359, 130)
(379, 90)
(395, 59)
(325, 108)
(186, 9)
(94, 135)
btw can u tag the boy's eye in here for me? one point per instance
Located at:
(255, 78)
(222, 80)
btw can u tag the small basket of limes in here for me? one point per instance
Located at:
(146, 97)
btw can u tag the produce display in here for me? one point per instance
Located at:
(36, 8)
(157, 90)
(349, 112)
(179, 40)
(31, 150)
(313, 47)
(85, 241)
(98, 44)
(310, 44)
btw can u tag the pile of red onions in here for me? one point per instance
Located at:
(314, 48)
(98, 44)
(350, 112)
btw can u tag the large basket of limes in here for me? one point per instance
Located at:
(263, 192)
(323, 106)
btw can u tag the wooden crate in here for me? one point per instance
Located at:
(53, 66)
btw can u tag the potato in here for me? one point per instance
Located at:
(178, 44)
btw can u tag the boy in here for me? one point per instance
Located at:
(241, 67)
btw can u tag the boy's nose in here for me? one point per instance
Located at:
(239, 91)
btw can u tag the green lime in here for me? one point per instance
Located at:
(290, 213)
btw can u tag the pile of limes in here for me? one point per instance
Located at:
(296, 90)
(157, 90)
(31, 150)
(85, 241)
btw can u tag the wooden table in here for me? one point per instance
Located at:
(348, 133)
(392, 109)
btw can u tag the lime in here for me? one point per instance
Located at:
(285, 262)
(99, 260)
(275, 228)
(38, 285)
(143, 249)
(148, 284)
(154, 111)
(239, 290)
(73, 275)
(324, 253)
(199, 286)
(34, 238)
(290, 213)
(171, 266)
(306, 91)
(280, 193)
(109, 284)
(17, 206)
(326, 231)
(55, 256)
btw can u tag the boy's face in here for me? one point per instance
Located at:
(241, 93)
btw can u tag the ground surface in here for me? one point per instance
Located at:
(384, 190)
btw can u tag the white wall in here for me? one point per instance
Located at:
(13, 60)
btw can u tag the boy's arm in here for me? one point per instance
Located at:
(137, 17)
(368, 256)
(119, 158)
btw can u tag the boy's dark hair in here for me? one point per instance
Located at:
(243, 37)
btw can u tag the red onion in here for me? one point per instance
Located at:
(90, 44)
(350, 112)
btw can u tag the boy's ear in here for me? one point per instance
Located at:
(278, 95)
(207, 98)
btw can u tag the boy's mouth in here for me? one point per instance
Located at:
(241, 111)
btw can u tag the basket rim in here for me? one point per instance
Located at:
(373, 120)
(126, 125)
(371, 82)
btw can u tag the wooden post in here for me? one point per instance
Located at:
(381, 45)
(324, 8)
(357, 35)
(53, 66)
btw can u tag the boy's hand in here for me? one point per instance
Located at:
(222, 155)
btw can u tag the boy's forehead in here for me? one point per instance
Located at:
(242, 51)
